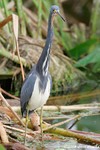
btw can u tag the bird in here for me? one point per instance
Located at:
(36, 87)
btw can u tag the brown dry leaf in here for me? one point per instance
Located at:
(15, 25)
(6, 111)
(16, 47)
(3, 134)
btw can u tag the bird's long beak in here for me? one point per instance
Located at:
(61, 16)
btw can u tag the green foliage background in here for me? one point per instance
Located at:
(78, 44)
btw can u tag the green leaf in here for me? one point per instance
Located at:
(2, 147)
(96, 67)
(93, 57)
(82, 48)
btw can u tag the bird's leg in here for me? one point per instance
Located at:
(41, 123)
(27, 118)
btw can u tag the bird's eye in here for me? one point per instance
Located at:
(54, 10)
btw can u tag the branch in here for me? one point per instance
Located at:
(8, 94)
(80, 138)
(61, 123)
(12, 57)
(7, 104)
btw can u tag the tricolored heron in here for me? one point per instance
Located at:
(36, 87)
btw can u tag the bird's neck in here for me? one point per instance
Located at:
(43, 62)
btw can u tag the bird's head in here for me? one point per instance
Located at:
(56, 11)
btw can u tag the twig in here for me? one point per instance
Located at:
(86, 133)
(52, 118)
(6, 103)
(73, 124)
(14, 129)
(3, 134)
(20, 130)
(61, 123)
(8, 94)
(21, 65)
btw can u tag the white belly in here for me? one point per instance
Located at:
(38, 98)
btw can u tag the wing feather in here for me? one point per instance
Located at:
(26, 91)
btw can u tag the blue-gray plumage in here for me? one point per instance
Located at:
(37, 85)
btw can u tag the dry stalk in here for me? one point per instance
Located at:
(66, 108)
(8, 94)
(80, 138)
(7, 104)
(58, 117)
(30, 132)
(61, 123)
(3, 134)
(15, 32)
